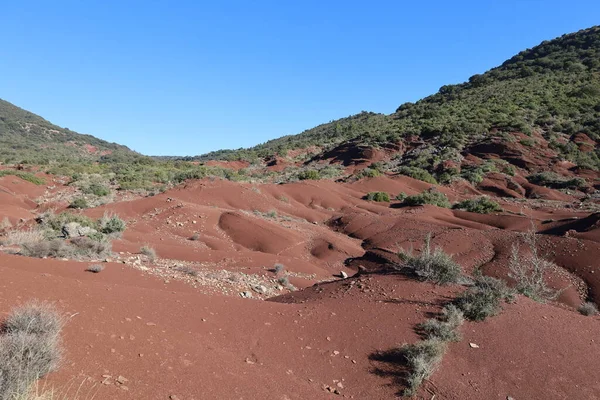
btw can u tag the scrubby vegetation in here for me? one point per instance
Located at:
(26, 176)
(529, 270)
(378, 197)
(431, 196)
(68, 235)
(29, 348)
(481, 205)
(556, 181)
(551, 89)
(148, 252)
(417, 173)
(444, 328)
(432, 265)
(483, 299)
(422, 358)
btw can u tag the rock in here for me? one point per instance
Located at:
(121, 379)
(74, 229)
(246, 295)
(473, 345)
(260, 289)
(173, 397)
(343, 274)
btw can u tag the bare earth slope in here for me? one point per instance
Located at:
(174, 334)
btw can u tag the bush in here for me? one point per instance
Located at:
(482, 300)
(481, 205)
(97, 190)
(430, 196)
(111, 224)
(378, 196)
(310, 174)
(29, 348)
(148, 252)
(422, 358)
(368, 173)
(588, 309)
(80, 247)
(435, 266)
(529, 271)
(417, 173)
(79, 203)
(34, 318)
(555, 181)
(444, 328)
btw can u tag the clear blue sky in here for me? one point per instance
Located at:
(187, 77)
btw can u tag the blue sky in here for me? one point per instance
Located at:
(187, 77)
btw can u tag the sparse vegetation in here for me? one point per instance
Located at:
(432, 265)
(26, 176)
(529, 270)
(588, 309)
(148, 252)
(417, 173)
(556, 181)
(368, 173)
(482, 300)
(444, 328)
(79, 203)
(29, 348)
(430, 196)
(422, 358)
(480, 205)
(310, 174)
(279, 268)
(195, 236)
(378, 197)
(111, 224)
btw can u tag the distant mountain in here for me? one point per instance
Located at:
(551, 91)
(26, 137)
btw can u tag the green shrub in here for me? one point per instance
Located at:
(109, 224)
(56, 222)
(422, 358)
(79, 203)
(417, 173)
(368, 173)
(556, 181)
(435, 266)
(97, 190)
(446, 327)
(482, 300)
(401, 196)
(481, 205)
(309, 174)
(378, 197)
(430, 196)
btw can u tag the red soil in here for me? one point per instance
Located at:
(170, 336)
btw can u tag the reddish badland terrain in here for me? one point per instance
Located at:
(209, 318)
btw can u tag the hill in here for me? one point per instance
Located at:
(551, 91)
(29, 138)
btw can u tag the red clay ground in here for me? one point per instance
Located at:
(176, 335)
